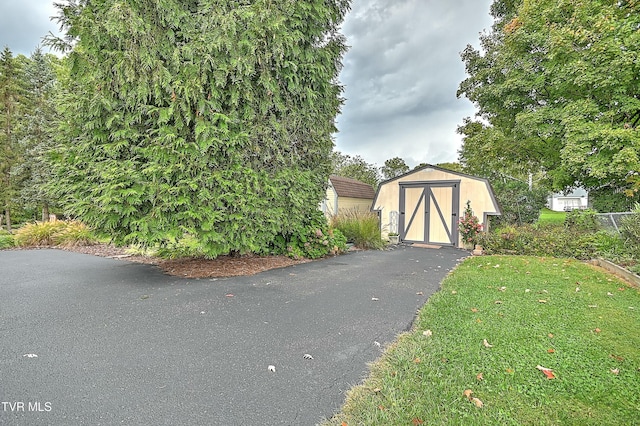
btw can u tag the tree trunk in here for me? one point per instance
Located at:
(7, 218)
(45, 212)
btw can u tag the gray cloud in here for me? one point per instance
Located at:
(401, 76)
(23, 23)
(401, 73)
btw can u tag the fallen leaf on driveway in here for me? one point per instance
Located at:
(30, 355)
(229, 295)
(307, 356)
(486, 344)
(272, 368)
(546, 371)
(375, 299)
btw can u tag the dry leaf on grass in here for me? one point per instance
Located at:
(546, 371)
(416, 421)
(427, 333)
(467, 393)
(615, 371)
(486, 344)
(479, 377)
(474, 310)
(477, 402)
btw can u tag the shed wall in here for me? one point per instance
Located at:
(475, 190)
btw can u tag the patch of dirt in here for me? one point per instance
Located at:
(222, 266)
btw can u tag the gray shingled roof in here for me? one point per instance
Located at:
(351, 188)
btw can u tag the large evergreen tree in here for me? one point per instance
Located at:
(558, 90)
(39, 121)
(11, 106)
(206, 117)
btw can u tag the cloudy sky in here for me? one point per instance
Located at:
(400, 74)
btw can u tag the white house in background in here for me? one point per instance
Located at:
(578, 199)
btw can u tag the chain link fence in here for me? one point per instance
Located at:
(612, 221)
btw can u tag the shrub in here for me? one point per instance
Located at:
(58, 232)
(6, 240)
(313, 240)
(582, 220)
(360, 228)
(187, 246)
(469, 225)
(630, 228)
(519, 204)
(556, 241)
(74, 234)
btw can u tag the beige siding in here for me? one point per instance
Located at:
(329, 203)
(359, 204)
(474, 189)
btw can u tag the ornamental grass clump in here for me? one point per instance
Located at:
(469, 225)
(360, 228)
(54, 233)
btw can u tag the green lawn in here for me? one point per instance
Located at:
(560, 314)
(550, 216)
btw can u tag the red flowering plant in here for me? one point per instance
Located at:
(469, 225)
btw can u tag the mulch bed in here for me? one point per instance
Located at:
(222, 266)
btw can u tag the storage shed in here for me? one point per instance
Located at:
(347, 194)
(425, 204)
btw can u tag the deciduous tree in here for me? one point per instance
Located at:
(557, 88)
(394, 167)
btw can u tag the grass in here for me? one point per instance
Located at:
(530, 311)
(551, 217)
(54, 233)
(360, 228)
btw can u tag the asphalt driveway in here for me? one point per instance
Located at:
(93, 341)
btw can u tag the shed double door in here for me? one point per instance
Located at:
(429, 212)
